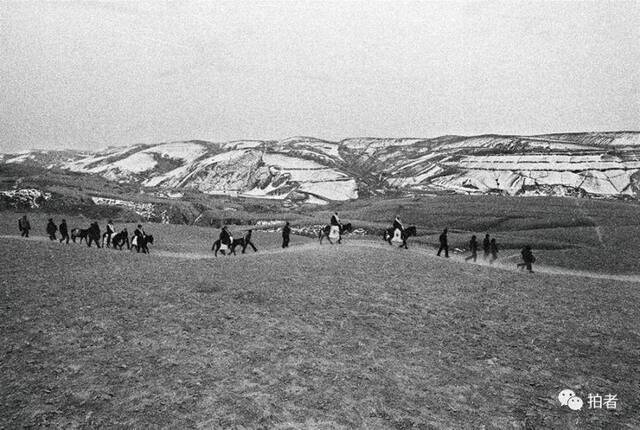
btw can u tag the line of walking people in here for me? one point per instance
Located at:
(92, 234)
(490, 248)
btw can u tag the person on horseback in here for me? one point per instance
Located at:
(335, 220)
(139, 232)
(225, 236)
(397, 224)
(336, 225)
(138, 235)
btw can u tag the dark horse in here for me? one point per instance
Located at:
(407, 233)
(232, 246)
(82, 233)
(324, 232)
(118, 240)
(142, 242)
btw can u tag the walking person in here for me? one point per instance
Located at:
(473, 247)
(444, 245)
(64, 231)
(51, 229)
(94, 235)
(110, 231)
(527, 258)
(494, 250)
(24, 226)
(286, 231)
(486, 246)
(247, 241)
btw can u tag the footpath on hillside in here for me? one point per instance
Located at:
(427, 252)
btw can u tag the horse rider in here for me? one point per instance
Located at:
(335, 220)
(225, 236)
(110, 231)
(397, 224)
(138, 235)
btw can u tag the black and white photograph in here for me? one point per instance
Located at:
(320, 214)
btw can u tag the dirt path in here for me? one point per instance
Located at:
(429, 253)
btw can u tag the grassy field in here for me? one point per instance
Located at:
(360, 335)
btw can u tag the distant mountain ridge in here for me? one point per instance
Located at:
(306, 169)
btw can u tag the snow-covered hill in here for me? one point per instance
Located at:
(305, 169)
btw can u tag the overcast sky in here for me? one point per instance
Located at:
(91, 75)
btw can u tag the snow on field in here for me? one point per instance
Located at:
(315, 175)
(420, 160)
(223, 157)
(621, 179)
(264, 193)
(337, 190)
(135, 163)
(290, 163)
(623, 139)
(313, 200)
(544, 162)
(81, 164)
(170, 179)
(537, 177)
(243, 144)
(313, 145)
(20, 159)
(146, 210)
(187, 151)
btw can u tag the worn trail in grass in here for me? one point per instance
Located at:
(359, 335)
(498, 264)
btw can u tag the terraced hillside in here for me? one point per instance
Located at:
(316, 171)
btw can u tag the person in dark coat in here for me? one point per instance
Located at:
(286, 231)
(527, 258)
(473, 247)
(335, 220)
(24, 226)
(225, 236)
(247, 242)
(444, 245)
(51, 229)
(64, 231)
(486, 246)
(94, 235)
(494, 250)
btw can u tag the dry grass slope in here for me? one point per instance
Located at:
(309, 337)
